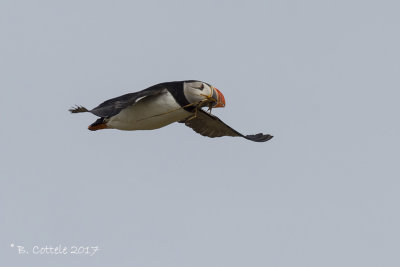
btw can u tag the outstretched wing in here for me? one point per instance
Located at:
(211, 126)
(114, 106)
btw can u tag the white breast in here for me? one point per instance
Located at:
(149, 113)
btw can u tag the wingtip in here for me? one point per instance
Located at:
(260, 137)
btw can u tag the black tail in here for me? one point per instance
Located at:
(78, 109)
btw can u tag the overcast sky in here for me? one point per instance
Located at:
(321, 76)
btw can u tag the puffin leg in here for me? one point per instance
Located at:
(98, 125)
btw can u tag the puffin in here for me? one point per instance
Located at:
(163, 104)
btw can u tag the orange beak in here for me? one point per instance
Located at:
(220, 99)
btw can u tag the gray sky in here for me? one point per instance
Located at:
(321, 76)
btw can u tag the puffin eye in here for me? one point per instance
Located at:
(202, 86)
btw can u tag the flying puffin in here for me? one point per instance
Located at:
(163, 104)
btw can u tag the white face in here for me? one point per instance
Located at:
(197, 91)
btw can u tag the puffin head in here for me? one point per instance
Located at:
(197, 91)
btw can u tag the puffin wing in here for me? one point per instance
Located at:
(211, 126)
(114, 106)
